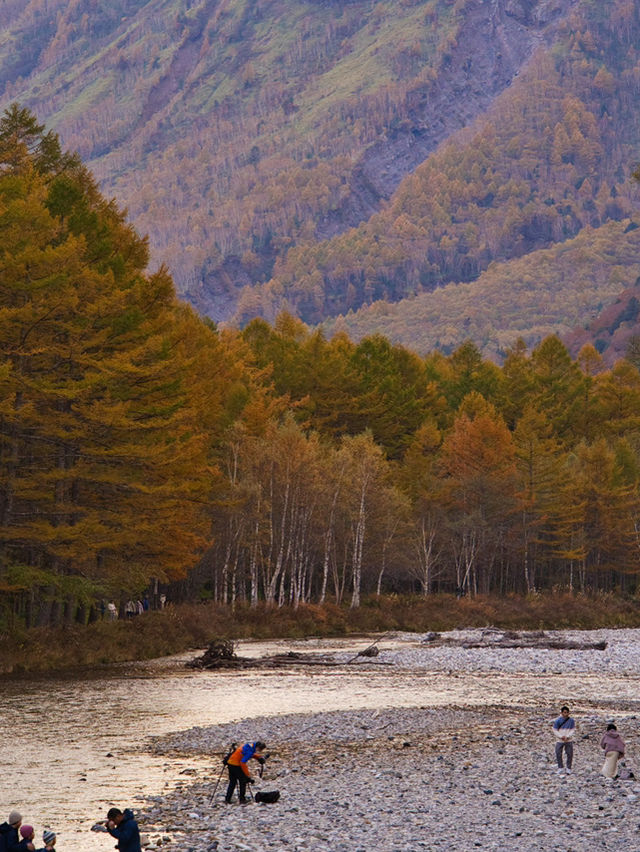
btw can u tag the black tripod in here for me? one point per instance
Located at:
(224, 766)
(215, 789)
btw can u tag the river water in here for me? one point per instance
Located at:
(73, 745)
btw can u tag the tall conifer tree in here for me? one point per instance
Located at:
(102, 464)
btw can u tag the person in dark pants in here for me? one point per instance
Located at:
(122, 826)
(564, 729)
(239, 771)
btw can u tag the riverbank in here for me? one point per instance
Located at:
(407, 779)
(403, 781)
(185, 626)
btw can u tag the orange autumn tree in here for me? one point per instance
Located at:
(478, 469)
(537, 461)
(594, 519)
(419, 480)
(103, 464)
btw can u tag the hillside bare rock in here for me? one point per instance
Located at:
(495, 43)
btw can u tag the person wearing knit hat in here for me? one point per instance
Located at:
(49, 838)
(26, 844)
(9, 838)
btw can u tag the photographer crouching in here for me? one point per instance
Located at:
(239, 773)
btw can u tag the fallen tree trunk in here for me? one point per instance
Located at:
(551, 644)
(511, 639)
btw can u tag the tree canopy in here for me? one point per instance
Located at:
(140, 444)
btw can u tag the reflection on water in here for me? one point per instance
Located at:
(72, 746)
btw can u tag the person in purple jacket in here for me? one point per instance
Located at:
(613, 746)
(28, 836)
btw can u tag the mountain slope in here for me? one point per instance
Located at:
(321, 156)
(552, 156)
(234, 129)
(615, 331)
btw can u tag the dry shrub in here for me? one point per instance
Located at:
(186, 626)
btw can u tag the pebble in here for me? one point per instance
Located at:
(421, 778)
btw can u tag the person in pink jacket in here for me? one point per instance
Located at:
(613, 746)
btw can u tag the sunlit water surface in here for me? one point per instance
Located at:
(71, 746)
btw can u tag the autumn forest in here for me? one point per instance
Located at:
(140, 443)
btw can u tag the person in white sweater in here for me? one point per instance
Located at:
(564, 729)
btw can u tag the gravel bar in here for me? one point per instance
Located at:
(419, 778)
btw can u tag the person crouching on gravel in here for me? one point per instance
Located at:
(613, 746)
(564, 729)
(239, 771)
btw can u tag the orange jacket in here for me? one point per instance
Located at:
(241, 755)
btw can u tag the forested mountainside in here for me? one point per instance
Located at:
(237, 130)
(558, 290)
(615, 332)
(322, 156)
(552, 156)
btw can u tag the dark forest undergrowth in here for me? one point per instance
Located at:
(185, 626)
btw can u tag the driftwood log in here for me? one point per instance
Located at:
(492, 638)
(222, 655)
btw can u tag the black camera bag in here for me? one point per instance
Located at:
(268, 797)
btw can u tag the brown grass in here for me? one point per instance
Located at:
(186, 626)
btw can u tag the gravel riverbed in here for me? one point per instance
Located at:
(407, 779)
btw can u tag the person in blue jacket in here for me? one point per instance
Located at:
(122, 826)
